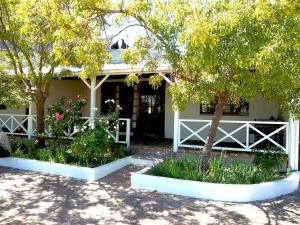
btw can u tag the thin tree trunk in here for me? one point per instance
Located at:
(206, 154)
(41, 96)
(40, 118)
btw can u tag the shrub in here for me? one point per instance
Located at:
(22, 145)
(90, 148)
(65, 115)
(187, 166)
(272, 158)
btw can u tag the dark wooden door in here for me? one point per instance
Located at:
(151, 112)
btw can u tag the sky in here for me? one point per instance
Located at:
(128, 35)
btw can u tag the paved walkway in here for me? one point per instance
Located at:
(34, 198)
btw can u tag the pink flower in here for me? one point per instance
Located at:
(58, 116)
(78, 96)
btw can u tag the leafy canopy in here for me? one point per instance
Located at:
(39, 36)
(241, 47)
(11, 94)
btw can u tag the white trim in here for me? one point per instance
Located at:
(30, 122)
(214, 191)
(102, 81)
(176, 131)
(293, 147)
(14, 121)
(78, 172)
(244, 145)
(93, 103)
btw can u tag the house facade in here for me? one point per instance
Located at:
(147, 114)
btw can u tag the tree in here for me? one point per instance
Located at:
(220, 51)
(37, 37)
(11, 94)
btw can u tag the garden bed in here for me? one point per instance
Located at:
(78, 172)
(215, 191)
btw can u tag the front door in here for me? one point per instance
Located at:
(150, 124)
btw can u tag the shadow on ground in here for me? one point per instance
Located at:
(33, 198)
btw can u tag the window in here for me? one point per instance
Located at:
(229, 109)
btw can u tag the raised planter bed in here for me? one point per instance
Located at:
(214, 191)
(84, 173)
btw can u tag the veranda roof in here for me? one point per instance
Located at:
(115, 67)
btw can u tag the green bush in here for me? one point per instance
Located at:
(90, 148)
(187, 166)
(94, 147)
(22, 145)
(272, 158)
(64, 115)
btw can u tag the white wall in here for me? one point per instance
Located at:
(70, 89)
(67, 88)
(259, 108)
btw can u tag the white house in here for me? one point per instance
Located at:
(147, 114)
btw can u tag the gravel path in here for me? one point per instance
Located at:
(35, 198)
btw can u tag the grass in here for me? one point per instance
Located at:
(187, 166)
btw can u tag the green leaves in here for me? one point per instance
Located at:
(132, 79)
(242, 47)
(10, 92)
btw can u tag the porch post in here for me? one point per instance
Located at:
(296, 148)
(93, 103)
(293, 145)
(30, 122)
(176, 130)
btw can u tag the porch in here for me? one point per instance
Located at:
(148, 113)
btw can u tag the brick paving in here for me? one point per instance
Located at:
(35, 198)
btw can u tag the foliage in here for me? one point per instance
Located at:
(224, 50)
(214, 46)
(93, 147)
(23, 145)
(182, 168)
(65, 115)
(272, 158)
(108, 122)
(38, 37)
(187, 166)
(11, 94)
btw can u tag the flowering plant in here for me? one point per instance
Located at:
(65, 115)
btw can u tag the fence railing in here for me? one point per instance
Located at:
(25, 125)
(234, 135)
(16, 124)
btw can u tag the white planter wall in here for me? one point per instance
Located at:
(69, 170)
(213, 191)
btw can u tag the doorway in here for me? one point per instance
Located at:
(151, 112)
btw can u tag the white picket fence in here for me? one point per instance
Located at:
(25, 125)
(234, 135)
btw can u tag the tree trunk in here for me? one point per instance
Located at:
(40, 120)
(206, 154)
(40, 98)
